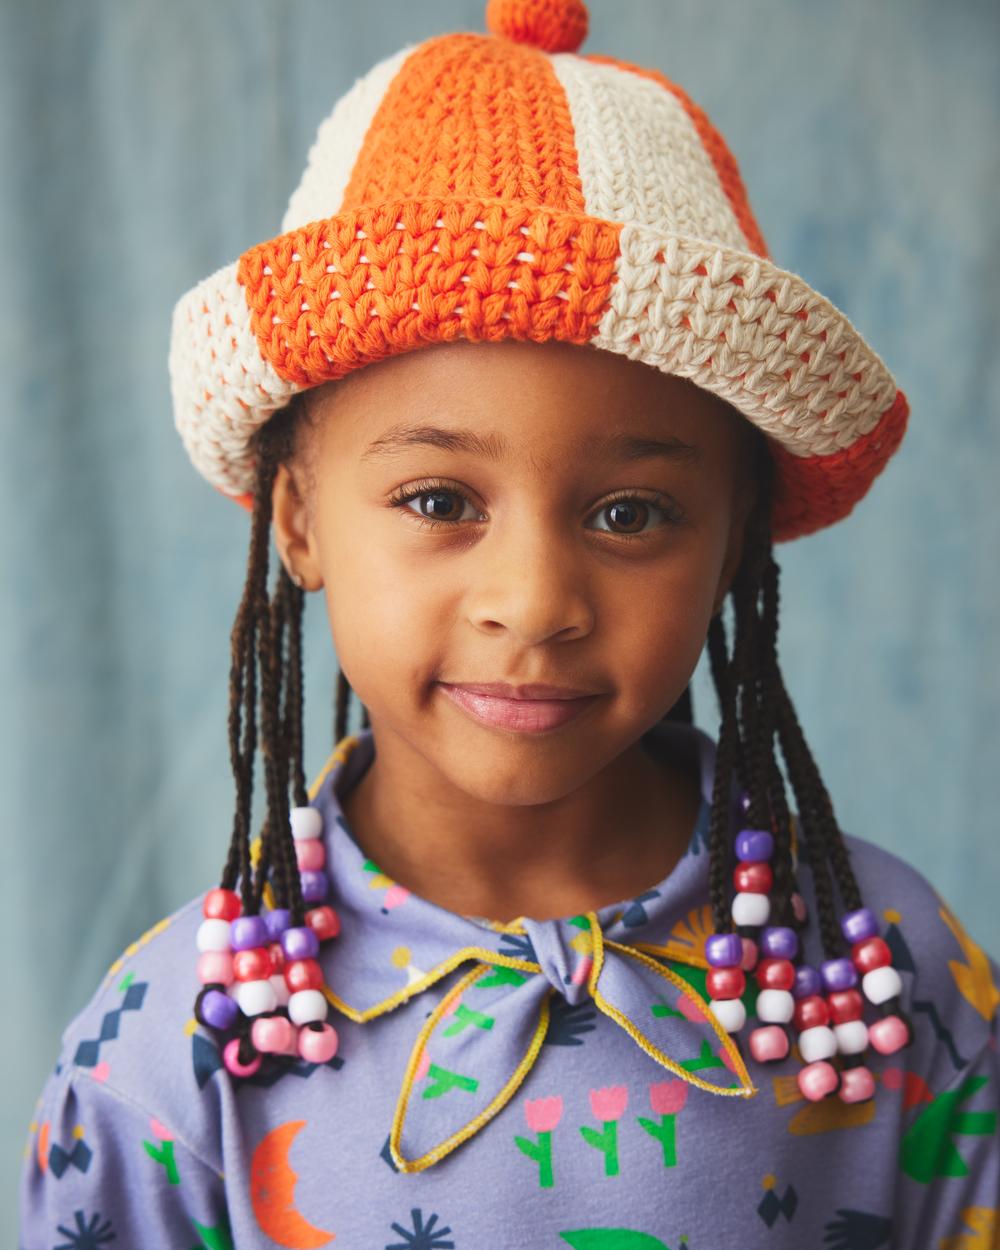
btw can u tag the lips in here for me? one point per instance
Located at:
(524, 715)
(534, 690)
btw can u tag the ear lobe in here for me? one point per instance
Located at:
(292, 530)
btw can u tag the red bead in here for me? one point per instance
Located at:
(754, 877)
(775, 974)
(303, 974)
(277, 957)
(253, 964)
(845, 1005)
(725, 982)
(810, 1013)
(871, 953)
(221, 904)
(888, 1035)
(323, 921)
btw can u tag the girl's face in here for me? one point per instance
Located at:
(574, 518)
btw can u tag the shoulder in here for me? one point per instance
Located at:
(950, 983)
(137, 1038)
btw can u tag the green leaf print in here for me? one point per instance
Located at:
(612, 1239)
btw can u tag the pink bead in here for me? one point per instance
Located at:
(323, 921)
(253, 964)
(817, 1079)
(725, 982)
(856, 1085)
(221, 904)
(231, 1058)
(750, 952)
(799, 909)
(769, 1043)
(215, 967)
(888, 1035)
(311, 855)
(318, 1045)
(272, 1034)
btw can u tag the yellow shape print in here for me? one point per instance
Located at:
(973, 978)
(984, 1225)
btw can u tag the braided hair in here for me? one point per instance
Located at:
(756, 718)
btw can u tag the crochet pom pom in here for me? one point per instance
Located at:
(551, 25)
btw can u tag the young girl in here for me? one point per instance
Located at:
(534, 961)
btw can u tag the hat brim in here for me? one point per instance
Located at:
(313, 304)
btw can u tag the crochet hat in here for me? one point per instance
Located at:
(505, 185)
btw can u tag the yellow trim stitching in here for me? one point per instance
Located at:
(499, 1101)
(429, 978)
(682, 954)
(746, 1090)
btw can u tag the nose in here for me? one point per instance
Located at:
(531, 582)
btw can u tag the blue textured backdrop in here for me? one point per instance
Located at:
(145, 145)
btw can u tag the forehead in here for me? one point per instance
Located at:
(519, 399)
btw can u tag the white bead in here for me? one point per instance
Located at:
(881, 984)
(751, 909)
(817, 1043)
(304, 1006)
(281, 989)
(852, 1036)
(256, 997)
(306, 822)
(730, 1013)
(775, 1006)
(213, 935)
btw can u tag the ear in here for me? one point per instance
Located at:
(293, 534)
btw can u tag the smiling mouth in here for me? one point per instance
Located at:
(523, 715)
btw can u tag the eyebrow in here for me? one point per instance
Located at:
(495, 448)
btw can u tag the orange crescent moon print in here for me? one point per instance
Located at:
(272, 1192)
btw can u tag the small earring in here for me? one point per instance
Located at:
(297, 578)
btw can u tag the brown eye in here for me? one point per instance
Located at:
(631, 514)
(439, 505)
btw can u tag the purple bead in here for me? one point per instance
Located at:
(219, 1010)
(807, 982)
(779, 942)
(315, 885)
(724, 950)
(838, 974)
(753, 845)
(246, 932)
(277, 921)
(301, 943)
(858, 925)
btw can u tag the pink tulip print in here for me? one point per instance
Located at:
(608, 1105)
(542, 1114)
(610, 1102)
(666, 1098)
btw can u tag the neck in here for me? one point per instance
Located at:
(544, 861)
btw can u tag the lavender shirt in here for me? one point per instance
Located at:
(539, 1084)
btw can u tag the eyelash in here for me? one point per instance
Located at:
(659, 501)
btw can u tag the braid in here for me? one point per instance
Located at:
(266, 679)
(755, 711)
